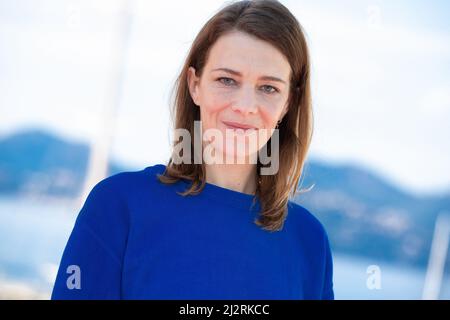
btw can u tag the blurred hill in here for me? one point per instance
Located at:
(365, 215)
(36, 162)
(362, 213)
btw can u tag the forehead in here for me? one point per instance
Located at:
(249, 55)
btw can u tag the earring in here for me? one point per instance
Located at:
(278, 123)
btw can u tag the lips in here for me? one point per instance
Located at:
(237, 125)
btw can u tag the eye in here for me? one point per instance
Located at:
(226, 81)
(269, 89)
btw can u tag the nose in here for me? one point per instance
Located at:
(246, 101)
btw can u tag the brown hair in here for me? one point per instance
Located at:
(272, 22)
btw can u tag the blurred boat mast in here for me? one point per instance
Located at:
(438, 255)
(101, 143)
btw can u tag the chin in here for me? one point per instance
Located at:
(235, 155)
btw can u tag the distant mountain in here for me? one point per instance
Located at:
(365, 215)
(362, 213)
(36, 162)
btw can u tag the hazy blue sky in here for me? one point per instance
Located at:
(381, 78)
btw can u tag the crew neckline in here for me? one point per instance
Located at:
(223, 195)
(231, 197)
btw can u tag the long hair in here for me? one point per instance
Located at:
(274, 23)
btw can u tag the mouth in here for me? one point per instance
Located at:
(236, 125)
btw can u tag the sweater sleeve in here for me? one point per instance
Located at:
(328, 292)
(91, 265)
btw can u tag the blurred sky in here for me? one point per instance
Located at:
(381, 78)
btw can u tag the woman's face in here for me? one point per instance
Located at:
(245, 83)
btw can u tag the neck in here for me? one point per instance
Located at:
(237, 177)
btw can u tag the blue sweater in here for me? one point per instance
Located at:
(136, 238)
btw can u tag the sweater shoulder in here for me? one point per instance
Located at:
(127, 181)
(111, 197)
(305, 220)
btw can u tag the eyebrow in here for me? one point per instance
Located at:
(237, 73)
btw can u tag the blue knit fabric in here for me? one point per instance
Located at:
(136, 238)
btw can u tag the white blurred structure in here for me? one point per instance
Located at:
(438, 255)
(100, 145)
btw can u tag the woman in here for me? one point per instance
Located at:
(202, 229)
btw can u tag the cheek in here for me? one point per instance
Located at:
(269, 117)
(212, 104)
(217, 98)
(215, 103)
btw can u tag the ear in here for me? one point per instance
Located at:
(193, 82)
